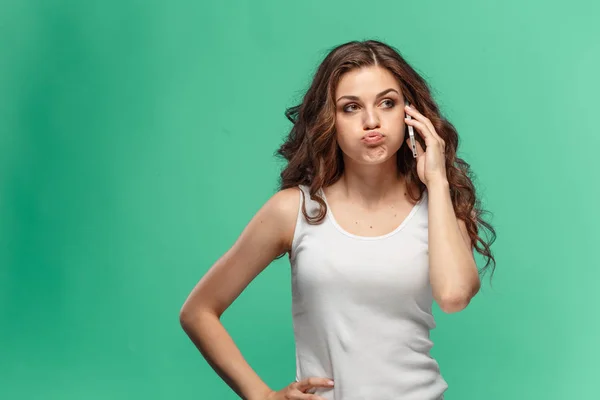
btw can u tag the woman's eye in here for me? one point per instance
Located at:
(391, 103)
(349, 105)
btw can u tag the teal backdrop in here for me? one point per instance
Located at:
(137, 141)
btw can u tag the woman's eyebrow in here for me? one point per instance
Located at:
(378, 95)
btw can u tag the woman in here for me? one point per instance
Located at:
(373, 234)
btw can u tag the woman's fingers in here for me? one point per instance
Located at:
(422, 129)
(420, 150)
(313, 382)
(305, 388)
(424, 126)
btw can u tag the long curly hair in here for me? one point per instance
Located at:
(315, 159)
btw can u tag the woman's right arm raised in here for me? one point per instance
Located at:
(268, 234)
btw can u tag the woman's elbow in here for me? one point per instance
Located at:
(454, 303)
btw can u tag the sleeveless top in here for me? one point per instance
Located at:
(362, 308)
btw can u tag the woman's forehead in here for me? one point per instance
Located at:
(366, 81)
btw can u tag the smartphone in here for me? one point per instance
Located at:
(411, 134)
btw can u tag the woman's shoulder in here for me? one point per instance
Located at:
(284, 206)
(285, 202)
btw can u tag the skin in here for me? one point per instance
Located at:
(370, 200)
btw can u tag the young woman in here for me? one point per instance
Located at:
(374, 235)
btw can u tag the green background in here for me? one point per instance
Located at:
(137, 140)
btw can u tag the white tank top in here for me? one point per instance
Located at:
(362, 308)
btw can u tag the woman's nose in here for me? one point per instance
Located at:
(371, 120)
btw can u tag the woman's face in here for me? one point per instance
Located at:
(369, 117)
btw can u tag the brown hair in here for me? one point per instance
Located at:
(314, 158)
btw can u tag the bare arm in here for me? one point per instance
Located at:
(453, 271)
(266, 236)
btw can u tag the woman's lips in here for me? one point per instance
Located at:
(373, 138)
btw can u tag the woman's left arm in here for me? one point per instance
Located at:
(452, 269)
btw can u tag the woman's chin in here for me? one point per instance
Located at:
(375, 156)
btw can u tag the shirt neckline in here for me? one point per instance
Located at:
(368, 238)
